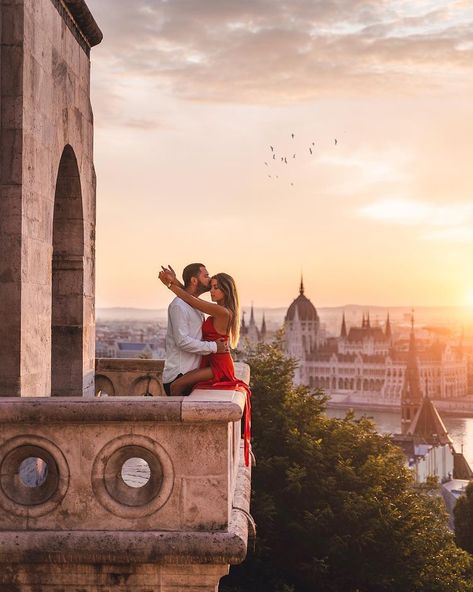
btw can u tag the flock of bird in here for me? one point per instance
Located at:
(284, 159)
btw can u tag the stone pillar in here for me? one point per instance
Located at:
(11, 147)
(45, 116)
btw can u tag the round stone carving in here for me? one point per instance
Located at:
(34, 476)
(112, 491)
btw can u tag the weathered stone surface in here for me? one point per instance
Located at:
(126, 377)
(45, 115)
(116, 548)
(197, 460)
(214, 405)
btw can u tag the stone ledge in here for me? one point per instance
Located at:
(122, 547)
(200, 406)
(128, 365)
(85, 21)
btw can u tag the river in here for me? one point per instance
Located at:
(460, 429)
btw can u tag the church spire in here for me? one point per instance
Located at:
(461, 351)
(411, 395)
(388, 331)
(343, 332)
(301, 287)
(368, 325)
(243, 329)
(263, 328)
(252, 316)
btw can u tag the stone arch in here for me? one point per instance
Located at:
(104, 385)
(146, 385)
(67, 280)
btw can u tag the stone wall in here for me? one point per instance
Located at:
(82, 526)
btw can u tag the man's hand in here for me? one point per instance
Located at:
(222, 346)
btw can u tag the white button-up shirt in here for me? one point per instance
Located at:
(184, 345)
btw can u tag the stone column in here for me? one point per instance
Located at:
(45, 113)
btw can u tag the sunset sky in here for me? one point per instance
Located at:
(188, 97)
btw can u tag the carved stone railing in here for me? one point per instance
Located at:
(178, 529)
(128, 377)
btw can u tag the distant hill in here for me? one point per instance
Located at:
(130, 314)
(330, 315)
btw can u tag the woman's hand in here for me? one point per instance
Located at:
(170, 271)
(167, 277)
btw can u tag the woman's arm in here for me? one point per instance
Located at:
(207, 307)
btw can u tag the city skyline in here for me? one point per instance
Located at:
(188, 98)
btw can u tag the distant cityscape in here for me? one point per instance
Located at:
(340, 349)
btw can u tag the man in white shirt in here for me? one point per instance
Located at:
(184, 345)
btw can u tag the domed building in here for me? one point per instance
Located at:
(302, 330)
(365, 361)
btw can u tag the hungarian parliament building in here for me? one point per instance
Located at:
(364, 360)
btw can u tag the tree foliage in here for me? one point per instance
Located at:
(463, 515)
(333, 501)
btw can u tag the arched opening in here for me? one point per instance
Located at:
(67, 280)
(104, 386)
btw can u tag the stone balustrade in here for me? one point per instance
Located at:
(82, 525)
(131, 377)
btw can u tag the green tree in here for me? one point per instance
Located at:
(463, 515)
(333, 502)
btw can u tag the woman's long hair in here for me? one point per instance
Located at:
(227, 284)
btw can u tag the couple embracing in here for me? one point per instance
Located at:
(197, 348)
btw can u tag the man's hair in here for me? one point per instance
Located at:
(190, 271)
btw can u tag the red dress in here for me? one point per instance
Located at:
(224, 378)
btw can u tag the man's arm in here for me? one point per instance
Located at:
(180, 331)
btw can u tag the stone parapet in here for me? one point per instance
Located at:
(188, 445)
(179, 528)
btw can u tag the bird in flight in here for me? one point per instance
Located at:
(335, 141)
(266, 164)
(274, 157)
(292, 136)
(293, 156)
(310, 150)
(272, 149)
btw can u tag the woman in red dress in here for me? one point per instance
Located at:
(216, 370)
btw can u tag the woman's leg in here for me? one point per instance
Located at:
(186, 382)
